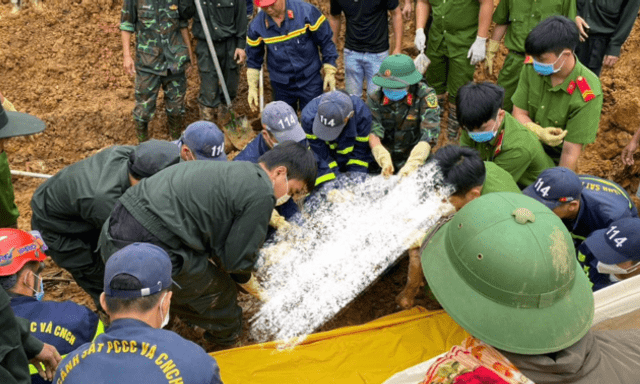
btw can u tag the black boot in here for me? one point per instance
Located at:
(175, 124)
(142, 130)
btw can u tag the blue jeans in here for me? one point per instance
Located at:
(360, 67)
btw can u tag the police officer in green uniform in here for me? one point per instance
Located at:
(456, 44)
(227, 25)
(497, 136)
(406, 120)
(163, 52)
(556, 92)
(516, 18)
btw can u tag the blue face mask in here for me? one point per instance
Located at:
(483, 137)
(39, 294)
(546, 69)
(395, 94)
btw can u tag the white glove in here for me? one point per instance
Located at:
(420, 40)
(478, 51)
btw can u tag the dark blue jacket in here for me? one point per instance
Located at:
(292, 49)
(132, 352)
(589, 264)
(601, 203)
(350, 152)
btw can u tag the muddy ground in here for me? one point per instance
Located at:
(64, 65)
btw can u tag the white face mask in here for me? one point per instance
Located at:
(613, 269)
(284, 198)
(166, 318)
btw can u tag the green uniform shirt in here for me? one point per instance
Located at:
(498, 180)
(523, 15)
(159, 44)
(8, 208)
(213, 208)
(562, 106)
(454, 26)
(515, 149)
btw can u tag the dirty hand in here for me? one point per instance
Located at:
(628, 151)
(406, 10)
(253, 77)
(420, 40)
(583, 28)
(278, 222)
(239, 56)
(339, 196)
(329, 77)
(418, 156)
(477, 52)
(550, 136)
(129, 66)
(609, 61)
(492, 49)
(253, 287)
(50, 358)
(383, 158)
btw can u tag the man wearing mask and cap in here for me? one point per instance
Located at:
(338, 126)
(497, 136)
(406, 122)
(585, 203)
(65, 325)
(211, 217)
(279, 124)
(202, 140)
(557, 97)
(134, 349)
(70, 208)
(504, 269)
(612, 254)
(12, 124)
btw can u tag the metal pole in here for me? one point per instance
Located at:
(212, 50)
(30, 174)
(261, 89)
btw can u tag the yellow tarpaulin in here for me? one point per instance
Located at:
(368, 353)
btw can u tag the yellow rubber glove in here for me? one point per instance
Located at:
(492, 49)
(253, 77)
(6, 104)
(418, 156)
(551, 136)
(253, 287)
(383, 158)
(339, 196)
(329, 77)
(278, 222)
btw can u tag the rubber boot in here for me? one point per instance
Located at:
(175, 125)
(142, 130)
(207, 113)
(453, 127)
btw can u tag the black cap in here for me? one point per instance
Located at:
(151, 157)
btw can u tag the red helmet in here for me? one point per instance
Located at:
(18, 248)
(263, 3)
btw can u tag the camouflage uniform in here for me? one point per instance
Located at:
(400, 125)
(161, 55)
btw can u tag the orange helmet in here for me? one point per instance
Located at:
(18, 248)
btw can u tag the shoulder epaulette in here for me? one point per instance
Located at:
(571, 88)
(585, 89)
(528, 60)
(410, 99)
(499, 144)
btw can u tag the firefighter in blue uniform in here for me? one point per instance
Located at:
(585, 203)
(279, 123)
(133, 350)
(338, 126)
(292, 32)
(64, 325)
(611, 254)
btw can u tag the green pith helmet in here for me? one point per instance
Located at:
(397, 71)
(505, 269)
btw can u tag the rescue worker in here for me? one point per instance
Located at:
(514, 20)
(163, 52)
(279, 124)
(468, 177)
(585, 203)
(497, 136)
(535, 311)
(219, 211)
(366, 39)
(338, 127)
(134, 349)
(556, 92)
(405, 117)
(202, 140)
(457, 40)
(226, 21)
(611, 254)
(65, 325)
(70, 208)
(295, 34)
(12, 124)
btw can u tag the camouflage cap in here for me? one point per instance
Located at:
(397, 71)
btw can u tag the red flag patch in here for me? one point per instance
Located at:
(410, 99)
(499, 144)
(528, 60)
(290, 14)
(571, 88)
